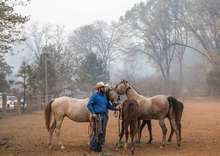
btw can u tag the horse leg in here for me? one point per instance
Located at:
(52, 128)
(179, 126)
(171, 132)
(164, 130)
(140, 129)
(176, 130)
(59, 122)
(180, 131)
(150, 131)
(133, 131)
(122, 132)
(126, 138)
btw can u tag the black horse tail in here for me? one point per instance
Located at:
(177, 107)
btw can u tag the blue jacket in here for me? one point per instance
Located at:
(98, 103)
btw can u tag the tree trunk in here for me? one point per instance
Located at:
(180, 76)
(29, 104)
(4, 103)
(18, 107)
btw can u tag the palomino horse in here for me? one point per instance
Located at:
(74, 109)
(157, 107)
(180, 108)
(129, 112)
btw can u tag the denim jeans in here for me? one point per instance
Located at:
(96, 144)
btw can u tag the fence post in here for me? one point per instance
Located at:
(29, 104)
(39, 102)
(19, 105)
(4, 103)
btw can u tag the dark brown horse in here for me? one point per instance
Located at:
(178, 113)
(130, 114)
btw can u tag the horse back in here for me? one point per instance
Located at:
(154, 107)
(75, 109)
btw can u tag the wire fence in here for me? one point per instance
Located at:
(13, 104)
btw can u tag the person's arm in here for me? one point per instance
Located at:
(91, 103)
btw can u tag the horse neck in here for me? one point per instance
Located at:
(132, 94)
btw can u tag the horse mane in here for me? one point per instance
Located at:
(132, 86)
(135, 89)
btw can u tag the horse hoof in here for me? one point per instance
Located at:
(161, 146)
(178, 147)
(168, 142)
(50, 146)
(149, 142)
(62, 147)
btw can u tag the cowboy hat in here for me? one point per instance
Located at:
(99, 85)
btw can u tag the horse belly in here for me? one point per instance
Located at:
(148, 116)
(79, 115)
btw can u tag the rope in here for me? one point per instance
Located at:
(116, 114)
(95, 123)
(90, 130)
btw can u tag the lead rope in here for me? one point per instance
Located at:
(90, 129)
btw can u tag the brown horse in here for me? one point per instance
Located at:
(130, 113)
(74, 109)
(180, 108)
(157, 107)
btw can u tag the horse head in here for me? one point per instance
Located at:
(112, 94)
(122, 87)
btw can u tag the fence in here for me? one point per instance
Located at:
(15, 104)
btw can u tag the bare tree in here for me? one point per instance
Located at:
(11, 23)
(98, 38)
(155, 28)
(38, 37)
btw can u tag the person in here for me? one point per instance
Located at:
(98, 106)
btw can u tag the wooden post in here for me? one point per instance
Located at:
(29, 104)
(4, 103)
(19, 105)
(39, 102)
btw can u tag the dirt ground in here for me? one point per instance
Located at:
(26, 135)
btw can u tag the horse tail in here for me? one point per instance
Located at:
(129, 113)
(177, 106)
(47, 113)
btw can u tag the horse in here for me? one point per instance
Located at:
(129, 114)
(180, 108)
(157, 107)
(73, 108)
